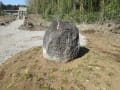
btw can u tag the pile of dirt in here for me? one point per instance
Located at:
(34, 23)
(113, 27)
(97, 68)
(6, 19)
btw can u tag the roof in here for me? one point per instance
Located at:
(22, 8)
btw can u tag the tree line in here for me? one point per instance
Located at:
(7, 7)
(76, 10)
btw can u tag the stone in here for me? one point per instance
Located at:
(28, 24)
(61, 42)
(109, 25)
(2, 24)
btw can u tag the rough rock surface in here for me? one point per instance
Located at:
(61, 42)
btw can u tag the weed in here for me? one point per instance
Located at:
(61, 88)
(80, 87)
(11, 84)
(53, 69)
(46, 86)
(36, 49)
(51, 78)
(26, 74)
(20, 67)
(76, 73)
(34, 63)
(64, 69)
(90, 68)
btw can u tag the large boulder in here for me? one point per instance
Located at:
(61, 42)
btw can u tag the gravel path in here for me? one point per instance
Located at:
(13, 40)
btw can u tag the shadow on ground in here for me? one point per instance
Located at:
(83, 51)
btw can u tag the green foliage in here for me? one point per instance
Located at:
(77, 10)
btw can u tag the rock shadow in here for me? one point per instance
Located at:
(82, 52)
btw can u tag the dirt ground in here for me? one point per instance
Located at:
(6, 19)
(35, 23)
(97, 68)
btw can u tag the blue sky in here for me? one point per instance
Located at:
(14, 2)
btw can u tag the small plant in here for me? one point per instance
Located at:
(76, 73)
(36, 48)
(64, 69)
(46, 86)
(34, 63)
(11, 84)
(53, 69)
(51, 78)
(90, 68)
(61, 88)
(20, 67)
(80, 87)
(26, 74)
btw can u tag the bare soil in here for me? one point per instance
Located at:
(98, 68)
(6, 19)
(34, 23)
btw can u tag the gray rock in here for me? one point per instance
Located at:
(28, 24)
(2, 24)
(61, 42)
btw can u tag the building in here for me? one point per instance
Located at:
(21, 12)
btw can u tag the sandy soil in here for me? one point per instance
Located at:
(97, 68)
(35, 23)
(6, 19)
